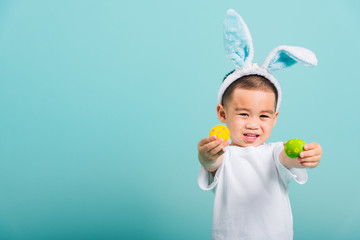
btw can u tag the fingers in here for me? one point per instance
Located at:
(311, 150)
(311, 156)
(210, 146)
(309, 164)
(206, 140)
(313, 145)
(218, 149)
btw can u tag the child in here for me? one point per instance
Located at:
(249, 177)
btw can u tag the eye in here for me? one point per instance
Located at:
(264, 116)
(244, 114)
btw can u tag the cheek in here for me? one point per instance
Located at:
(236, 124)
(268, 127)
(236, 130)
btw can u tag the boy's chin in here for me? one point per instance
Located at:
(247, 144)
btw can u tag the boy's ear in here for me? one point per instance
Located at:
(276, 116)
(221, 113)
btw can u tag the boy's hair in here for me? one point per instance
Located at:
(251, 82)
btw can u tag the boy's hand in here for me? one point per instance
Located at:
(211, 150)
(309, 158)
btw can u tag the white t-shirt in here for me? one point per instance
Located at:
(251, 194)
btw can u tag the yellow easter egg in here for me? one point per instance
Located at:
(220, 131)
(294, 147)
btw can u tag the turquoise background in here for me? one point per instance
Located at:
(102, 104)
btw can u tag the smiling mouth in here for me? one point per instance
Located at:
(250, 137)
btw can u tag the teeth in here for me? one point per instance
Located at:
(251, 135)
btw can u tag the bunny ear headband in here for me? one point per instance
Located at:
(239, 49)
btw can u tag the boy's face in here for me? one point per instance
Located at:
(250, 116)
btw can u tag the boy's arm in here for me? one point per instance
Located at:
(211, 152)
(309, 158)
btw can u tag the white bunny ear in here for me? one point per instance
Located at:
(286, 56)
(237, 40)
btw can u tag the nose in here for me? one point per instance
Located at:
(252, 124)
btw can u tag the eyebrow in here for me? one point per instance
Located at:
(241, 109)
(245, 109)
(268, 111)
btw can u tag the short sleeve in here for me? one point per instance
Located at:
(206, 180)
(298, 174)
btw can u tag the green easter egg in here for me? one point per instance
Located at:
(294, 147)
